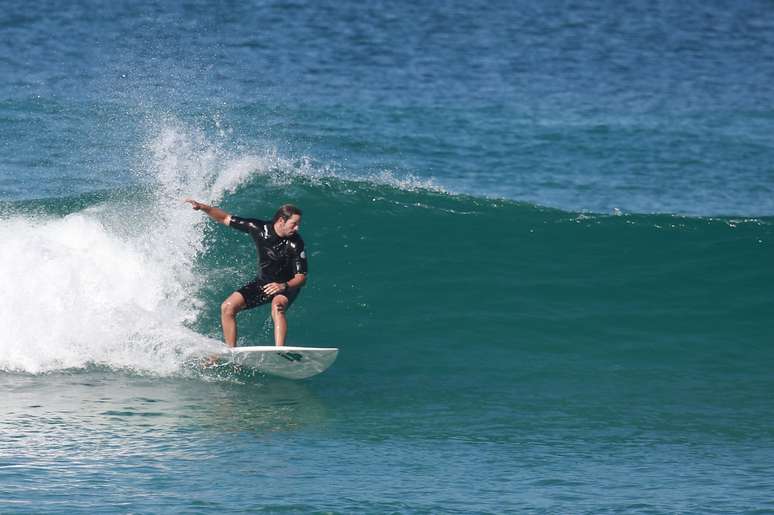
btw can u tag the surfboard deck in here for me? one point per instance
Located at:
(287, 362)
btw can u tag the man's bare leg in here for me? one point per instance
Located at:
(278, 306)
(228, 311)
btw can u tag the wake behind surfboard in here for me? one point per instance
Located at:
(287, 362)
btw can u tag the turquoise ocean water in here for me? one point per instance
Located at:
(539, 232)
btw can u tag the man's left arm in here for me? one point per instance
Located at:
(297, 281)
(300, 265)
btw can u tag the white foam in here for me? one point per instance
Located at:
(114, 284)
(73, 293)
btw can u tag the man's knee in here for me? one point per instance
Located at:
(228, 309)
(279, 305)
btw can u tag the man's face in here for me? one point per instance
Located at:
(288, 227)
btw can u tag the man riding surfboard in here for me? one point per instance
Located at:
(282, 267)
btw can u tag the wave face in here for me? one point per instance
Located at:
(130, 278)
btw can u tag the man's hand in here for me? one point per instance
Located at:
(273, 288)
(196, 205)
(213, 212)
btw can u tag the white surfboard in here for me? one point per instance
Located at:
(288, 362)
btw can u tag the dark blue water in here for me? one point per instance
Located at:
(540, 234)
(591, 106)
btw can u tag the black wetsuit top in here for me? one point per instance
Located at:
(279, 259)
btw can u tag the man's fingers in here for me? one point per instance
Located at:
(271, 289)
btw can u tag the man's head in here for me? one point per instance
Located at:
(287, 220)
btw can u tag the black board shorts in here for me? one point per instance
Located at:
(255, 296)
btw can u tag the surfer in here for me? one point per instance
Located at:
(282, 267)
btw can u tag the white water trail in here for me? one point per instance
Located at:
(115, 284)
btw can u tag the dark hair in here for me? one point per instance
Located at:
(286, 212)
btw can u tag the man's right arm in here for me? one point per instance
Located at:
(213, 212)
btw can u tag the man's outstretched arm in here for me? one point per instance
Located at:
(213, 212)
